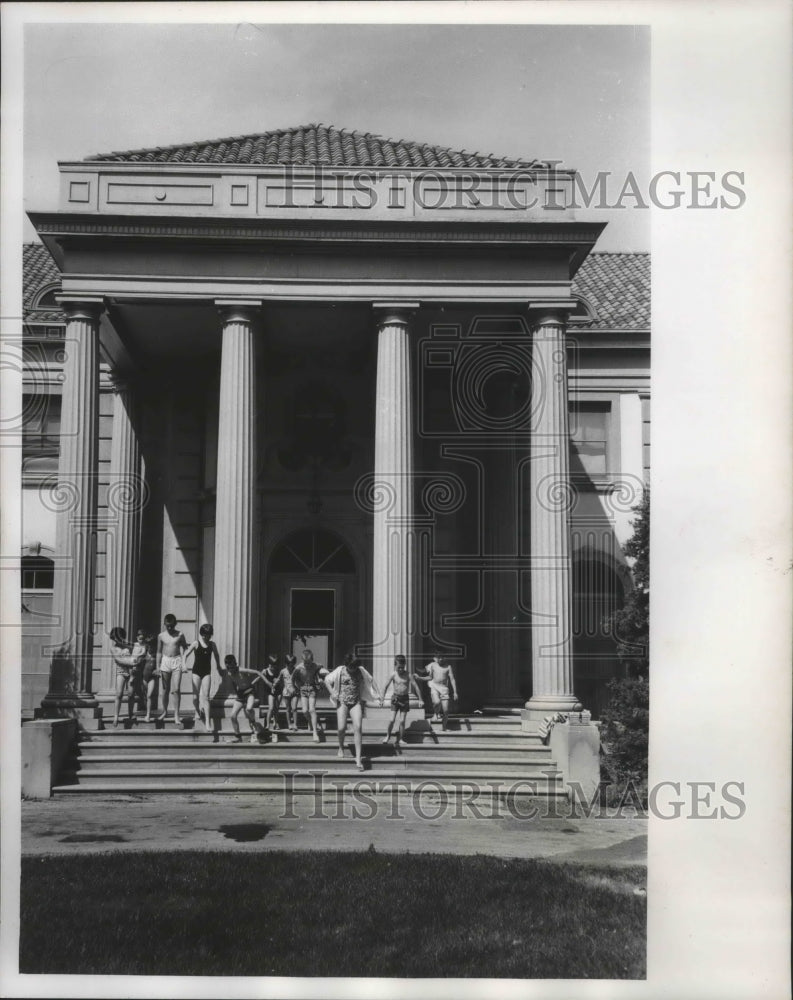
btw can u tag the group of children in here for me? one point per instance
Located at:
(289, 683)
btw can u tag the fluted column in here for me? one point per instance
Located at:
(75, 500)
(235, 518)
(503, 675)
(394, 542)
(551, 497)
(126, 496)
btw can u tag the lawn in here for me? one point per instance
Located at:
(329, 914)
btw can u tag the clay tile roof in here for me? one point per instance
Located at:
(311, 145)
(39, 272)
(616, 287)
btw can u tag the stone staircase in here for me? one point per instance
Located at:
(490, 752)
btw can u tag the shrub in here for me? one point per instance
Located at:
(625, 720)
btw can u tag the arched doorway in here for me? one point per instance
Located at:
(312, 599)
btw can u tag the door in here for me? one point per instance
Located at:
(312, 622)
(312, 599)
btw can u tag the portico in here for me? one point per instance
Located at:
(307, 420)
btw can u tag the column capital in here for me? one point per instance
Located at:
(88, 307)
(240, 310)
(394, 312)
(550, 313)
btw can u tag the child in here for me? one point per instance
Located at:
(288, 692)
(272, 681)
(141, 673)
(171, 645)
(440, 677)
(400, 699)
(306, 680)
(125, 662)
(204, 651)
(430, 710)
(243, 682)
(349, 686)
(150, 673)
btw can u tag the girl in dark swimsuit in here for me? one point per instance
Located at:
(203, 650)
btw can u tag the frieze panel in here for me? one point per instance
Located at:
(316, 193)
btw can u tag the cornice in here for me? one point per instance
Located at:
(64, 224)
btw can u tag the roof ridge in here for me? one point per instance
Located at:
(208, 142)
(420, 153)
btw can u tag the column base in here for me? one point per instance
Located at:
(536, 709)
(82, 706)
(503, 706)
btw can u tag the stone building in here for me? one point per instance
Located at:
(320, 388)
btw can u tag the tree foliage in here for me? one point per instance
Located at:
(630, 625)
(625, 722)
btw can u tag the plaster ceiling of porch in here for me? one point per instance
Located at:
(192, 331)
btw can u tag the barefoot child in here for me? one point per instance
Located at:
(145, 643)
(125, 662)
(243, 682)
(349, 686)
(203, 651)
(306, 679)
(440, 678)
(272, 681)
(171, 645)
(400, 699)
(288, 692)
(140, 675)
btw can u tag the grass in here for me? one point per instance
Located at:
(329, 914)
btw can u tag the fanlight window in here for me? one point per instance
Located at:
(312, 551)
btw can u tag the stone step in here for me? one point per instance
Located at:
(269, 760)
(302, 783)
(327, 718)
(433, 787)
(288, 751)
(141, 734)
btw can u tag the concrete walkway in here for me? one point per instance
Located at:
(264, 822)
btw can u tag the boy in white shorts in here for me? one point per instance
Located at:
(171, 645)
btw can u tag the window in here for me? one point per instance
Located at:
(42, 423)
(589, 438)
(38, 573)
(309, 551)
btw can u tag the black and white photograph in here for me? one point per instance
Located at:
(348, 360)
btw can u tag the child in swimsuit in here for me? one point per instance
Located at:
(171, 645)
(400, 699)
(288, 692)
(145, 642)
(243, 683)
(139, 679)
(440, 677)
(349, 685)
(125, 662)
(203, 651)
(272, 681)
(306, 680)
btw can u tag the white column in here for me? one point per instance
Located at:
(551, 501)
(75, 501)
(503, 669)
(126, 496)
(235, 509)
(394, 542)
